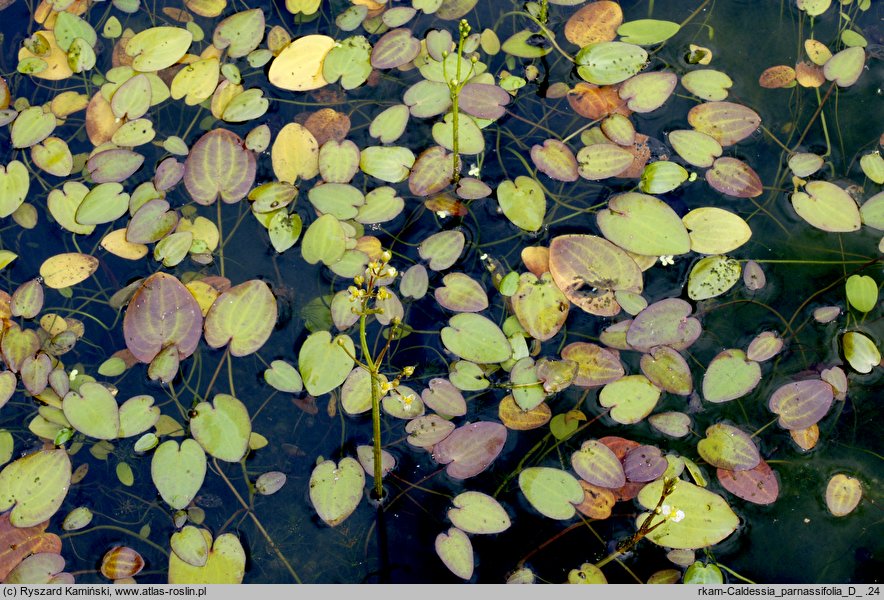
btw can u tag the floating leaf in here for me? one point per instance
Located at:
(644, 463)
(630, 398)
(588, 269)
(664, 323)
(121, 562)
(34, 486)
(162, 313)
(668, 370)
(707, 84)
(442, 249)
(461, 293)
(283, 377)
(713, 276)
(594, 22)
(388, 163)
(662, 176)
(802, 403)
(597, 464)
(240, 33)
(298, 67)
(862, 292)
(20, 542)
(178, 472)
(705, 517)
(523, 45)
(222, 427)
(697, 148)
(596, 366)
(93, 411)
(552, 492)
(860, 351)
(243, 316)
(514, 417)
(675, 424)
(540, 306)
(730, 375)
(757, 485)
(219, 164)
(225, 563)
(476, 338)
(764, 346)
(588, 573)
(726, 122)
(325, 363)
(843, 494)
(475, 512)
(601, 161)
(156, 48)
(456, 551)
(845, 67)
(14, 185)
(727, 447)
(336, 489)
(646, 92)
(644, 225)
(734, 177)
(607, 63)
(470, 449)
(325, 240)
(65, 270)
(523, 202)
(715, 230)
(647, 32)
(31, 126)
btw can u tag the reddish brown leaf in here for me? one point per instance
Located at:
(17, 543)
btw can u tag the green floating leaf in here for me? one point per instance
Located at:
(862, 292)
(712, 276)
(601, 161)
(243, 316)
(456, 551)
(178, 472)
(647, 32)
(700, 574)
(607, 63)
(729, 376)
(662, 176)
(388, 163)
(727, 447)
(630, 398)
(540, 306)
(189, 545)
(34, 486)
(644, 225)
(14, 185)
(845, 67)
(93, 411)
(222, 427)
(692, 517)
(827, 207)
(552, 492)
(283, 377)
(860, 351)
(325, 363)
(475, 512)
(715, 230)
(156, 48)
(442, 249)
(336, 489)
(707, 84)
(520, 44)
(726, 122)
(523, 202)
(476, 338)
(843, 494)
(225, 563)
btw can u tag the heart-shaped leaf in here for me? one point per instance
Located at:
(336, 489)
(222, 427)
(727, 447)
(523, 202)
(475, 512)
(93, 411)
(34, 486)
(552, 492)
(225, 563)
(219, 164)
(470, 448)
(244, 316)
(456, 551)
(178, 472)
(325, 363)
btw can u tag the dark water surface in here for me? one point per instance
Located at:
(793, 540)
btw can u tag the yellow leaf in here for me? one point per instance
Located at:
(196, 82)
(295, 154)
(65, 270)
(299, 66)
(156, 48)
(56, 59)
(115, 242)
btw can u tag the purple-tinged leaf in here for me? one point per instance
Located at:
(151, 223)
(470, 188)
(168, 174)
(758, 485)
(643, 464)
(733, 177)
(802, 403)
(597, 464)
(664, 323)
(668, 370)
(432, 172)
(727, 447)
(27, 299)
(471, 448)
(596, 366)
(826, 314)
(484, 100)
(766, 345)
(727, 122)
(219, 164)
(115, 165)
(444, 398)
(35, 373)
(428, 430)
(555, 160)
(753, 276)
(18, 345)
(162, 312)
(394, 49)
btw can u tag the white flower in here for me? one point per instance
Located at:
(667, 260)
(474, 171)
(679, 515)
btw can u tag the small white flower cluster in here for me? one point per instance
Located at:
(668, 513)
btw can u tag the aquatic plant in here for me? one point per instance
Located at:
(578, 328)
